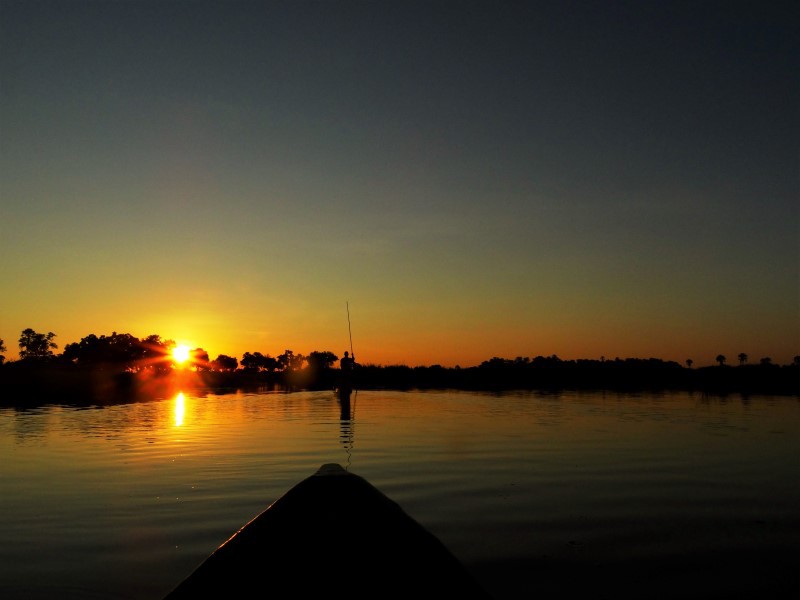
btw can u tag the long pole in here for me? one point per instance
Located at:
(349, 330)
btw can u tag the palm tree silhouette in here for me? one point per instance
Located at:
(721, 359)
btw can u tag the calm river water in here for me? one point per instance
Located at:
(539, 495)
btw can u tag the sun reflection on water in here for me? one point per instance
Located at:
(180, 409)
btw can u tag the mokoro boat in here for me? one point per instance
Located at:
(333, 534)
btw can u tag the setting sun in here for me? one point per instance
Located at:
(180, 353)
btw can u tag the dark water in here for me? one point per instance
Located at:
(540, 495)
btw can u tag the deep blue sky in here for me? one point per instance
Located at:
(477, 179)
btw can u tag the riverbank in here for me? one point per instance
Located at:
(27, 384)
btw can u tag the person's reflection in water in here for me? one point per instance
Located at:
(346, 415)
(343, 394)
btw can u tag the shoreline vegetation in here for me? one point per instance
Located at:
(25, 384)
(122, 368)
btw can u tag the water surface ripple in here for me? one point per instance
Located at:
(604, 494)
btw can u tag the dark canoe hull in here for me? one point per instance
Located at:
(333, 534)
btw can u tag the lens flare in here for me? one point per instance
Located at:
(180, 354)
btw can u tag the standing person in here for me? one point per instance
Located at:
(346, 366)
(347, 363)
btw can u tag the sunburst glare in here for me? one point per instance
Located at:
(180, 353)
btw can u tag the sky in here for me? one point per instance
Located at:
(441, 182)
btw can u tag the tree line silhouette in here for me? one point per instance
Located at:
(123, 352)
(119, 361)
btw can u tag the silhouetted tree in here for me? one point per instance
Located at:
(721, 359)
(36, 346)
(124, 349)
(498, 363)
(223, 362)
(742, 359)
(766, 361)
(199, 359)
(252, 361)
(289, 361)
(156, 353)
(269, 363)
(120, 351)
(2, 349)
(81, 352)
(689, 362)
(321, 361)
(796, 361)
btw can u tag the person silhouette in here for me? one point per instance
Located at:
(347, 363)
(346, 366)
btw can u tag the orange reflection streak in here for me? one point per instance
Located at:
(180, 409)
